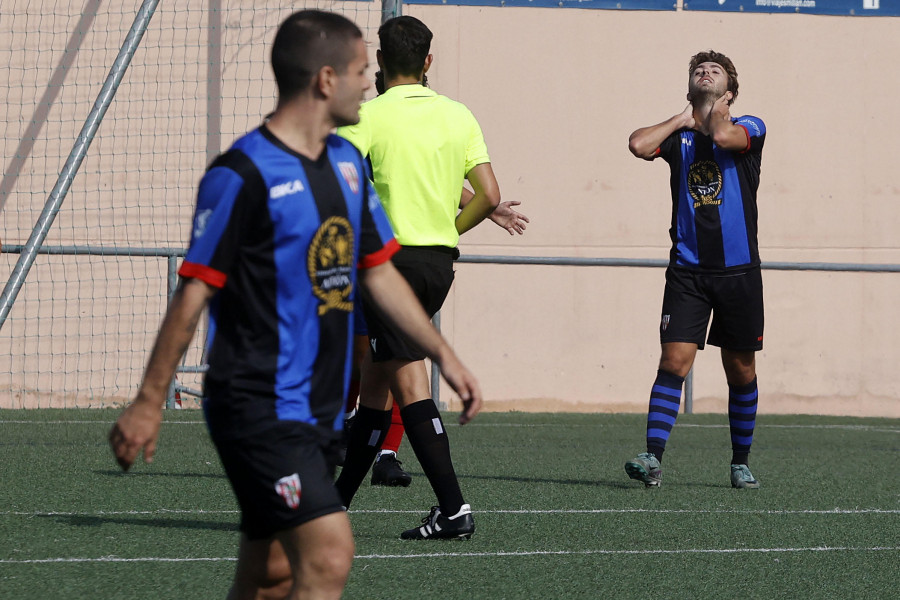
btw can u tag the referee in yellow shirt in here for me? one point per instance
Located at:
(421, 146)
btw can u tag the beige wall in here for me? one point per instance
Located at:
(557, 92)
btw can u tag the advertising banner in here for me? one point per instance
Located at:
(605, 4)
(858, 8)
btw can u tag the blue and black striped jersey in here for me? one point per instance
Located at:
(714, 213)
(282, 236)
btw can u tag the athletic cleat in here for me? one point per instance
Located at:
(438, 527)
(644, 467)
(742, 478)
(387, 471)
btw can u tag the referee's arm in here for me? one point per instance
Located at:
(486, 199)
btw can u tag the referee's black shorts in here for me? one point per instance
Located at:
(735, 300)
(429, 272)
(282, 476)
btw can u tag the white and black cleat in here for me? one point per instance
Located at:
(438, 527)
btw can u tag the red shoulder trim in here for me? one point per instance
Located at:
(379, 257)
(746, 131)
(209, 275)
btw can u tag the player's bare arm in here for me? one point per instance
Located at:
(137, 428)
(389, 291)
(644, 142)
(485, 200)
(724, 133)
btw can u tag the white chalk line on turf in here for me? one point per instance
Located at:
(589, 511)
(113, 559)
(875, 428)
(848, 427)
(631, 552)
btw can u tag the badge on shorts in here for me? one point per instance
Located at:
(289, 489)
(664, 324)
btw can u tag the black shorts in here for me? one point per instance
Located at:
(282, 477)
(429, 272)
(735, 300)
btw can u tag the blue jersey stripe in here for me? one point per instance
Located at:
(735, 244)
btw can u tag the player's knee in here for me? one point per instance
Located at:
(740, 374)
(267, 578)
(329, 567)
(675, 366)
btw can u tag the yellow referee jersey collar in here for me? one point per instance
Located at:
(409, 90)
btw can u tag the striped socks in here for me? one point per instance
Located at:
(665, 400)
(742, 402)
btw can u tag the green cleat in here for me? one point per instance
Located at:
(742, 478)
(645, 467)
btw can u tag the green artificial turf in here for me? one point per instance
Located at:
(556, 515)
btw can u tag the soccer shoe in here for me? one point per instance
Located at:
(438, 527)
(742, 478)
(387, 471)
(644, 467)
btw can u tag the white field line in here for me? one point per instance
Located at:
(523, 425)
(114, 559)
(595, 511)
(849, 427)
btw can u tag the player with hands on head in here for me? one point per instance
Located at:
(286, 228)
(714, 264)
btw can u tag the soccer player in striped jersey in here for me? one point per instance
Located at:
(286, 227)
(714, 266)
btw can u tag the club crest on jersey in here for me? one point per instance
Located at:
(330, 265)
(704, 182)
(289, 489)
(351, 175)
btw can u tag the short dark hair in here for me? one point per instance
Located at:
(719, 59)
(307, 41)
(405, 43)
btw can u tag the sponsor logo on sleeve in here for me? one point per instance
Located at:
(201, 220)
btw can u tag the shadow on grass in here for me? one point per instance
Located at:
(614, 484)
(119, 473)
(100, 520)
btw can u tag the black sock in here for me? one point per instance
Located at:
(363, 442)
(428, 439)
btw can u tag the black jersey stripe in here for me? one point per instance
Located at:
(327, 385)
